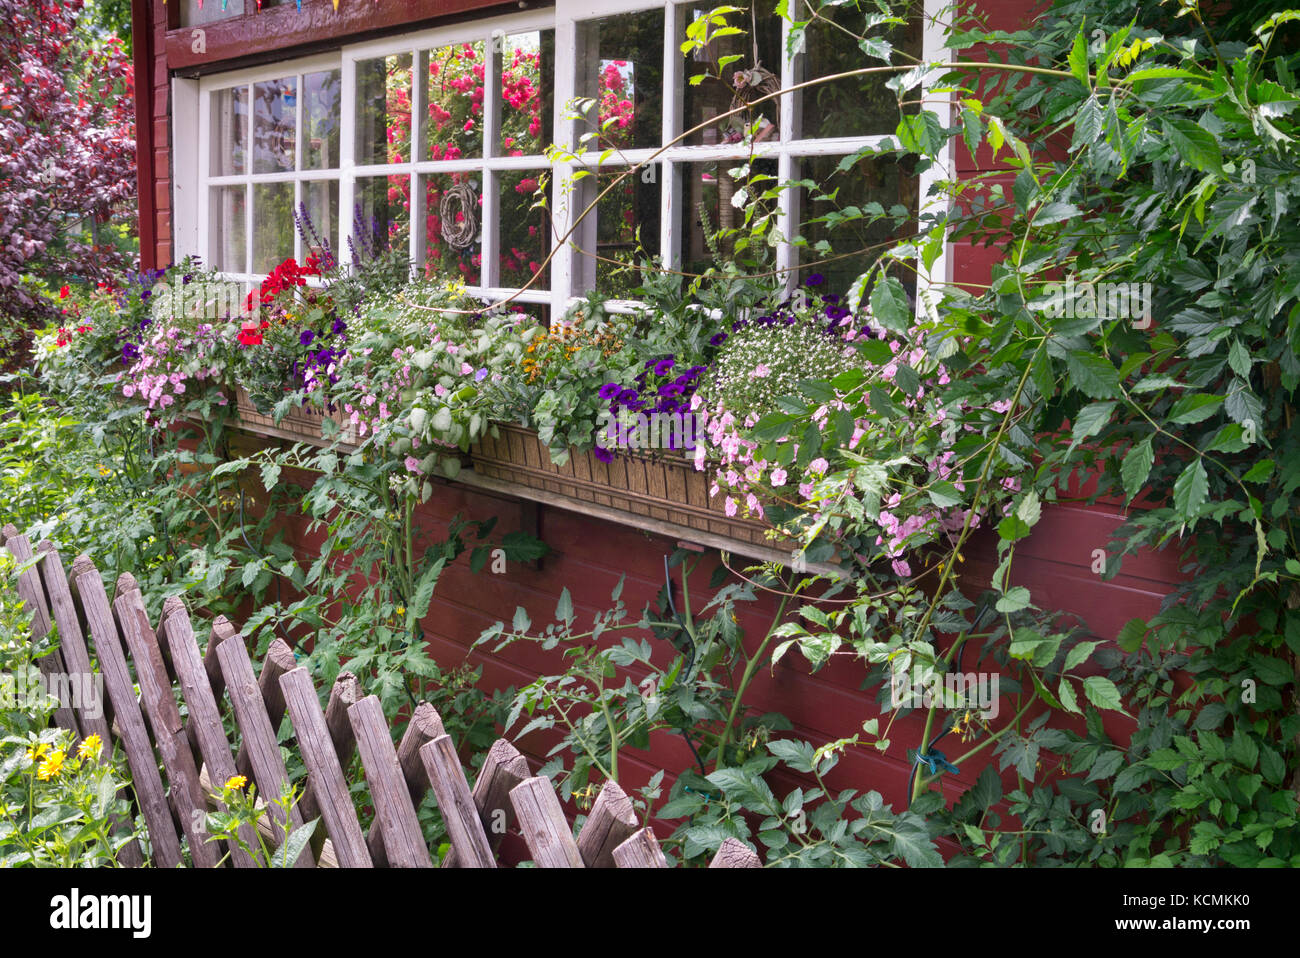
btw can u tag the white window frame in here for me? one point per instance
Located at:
(564, 288)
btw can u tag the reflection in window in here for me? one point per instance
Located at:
(322, 93)
(709, 204)
(229, 131)
(229, 225)
(627, 231)
(624, 55)
(320, 198)
(733, 84)
(525, 237)
(527, 93)
(272, 225)
(852, 106)
(453, 213)
(872, 186)
(383, 215)
(275, 105)
(383, 110)
(455, 94)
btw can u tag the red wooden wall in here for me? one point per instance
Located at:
(590, 554)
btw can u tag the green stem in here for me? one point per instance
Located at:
(750, 668)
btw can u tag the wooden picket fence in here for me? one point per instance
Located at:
(197, 757)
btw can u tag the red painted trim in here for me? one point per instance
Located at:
(316, 24)
(142, 64)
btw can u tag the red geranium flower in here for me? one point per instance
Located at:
(64, 291)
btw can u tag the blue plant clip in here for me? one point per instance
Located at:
(937, 762)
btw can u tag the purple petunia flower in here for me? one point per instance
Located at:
(306, 337)
(662, 367)
(627, 396)
(480, 375)
(609, 391)
(603, 454)
(340, 327)
(670, 390)
(717, 339)
(816, 279)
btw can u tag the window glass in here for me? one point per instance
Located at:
(621, 68)
(195, 12)
(322, 93)
(229, 131)
(627, 230)
(525, 231)
(383, 214)
(229, 229)
(711, 201)
(272, 225)
(853, 106)
(730, 84)
(275, 121)
(383, 110)
(454, 92)
(319, 216)
(453, 213)
(527, 93)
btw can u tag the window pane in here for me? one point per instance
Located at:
(455, 95)
(272, 225)
(629, 210)
(738, 82)
(525, 232)
(708, 194)
(854, 106)
(383, 118)
(320, 116)
(452, 220)
(527, 93)
(882, 181)
(229, 229)
(229, 131)
(623, 72)
(274, 125)
(383, 214)
(320, 224)
(195, 12)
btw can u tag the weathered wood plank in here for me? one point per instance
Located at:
(173, 745)
(424, 727)
(733, 853)
(399, 826)
(612, 821)
(263, 751)
(32, 593)
(279, 660)
(221, 630)
(447, 779)
(502, 770)
(205, 717)
(327, 787)
(544, 827)
(92, 714)
(640, 851)
(88, 593)
(345, 694)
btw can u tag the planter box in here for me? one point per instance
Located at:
(302, 423)
(666, 487)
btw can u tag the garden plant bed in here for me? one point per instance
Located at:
(668, 487)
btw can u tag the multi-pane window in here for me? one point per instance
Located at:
(436, 142)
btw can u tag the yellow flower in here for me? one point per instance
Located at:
(401, 610)
(104, 470)
(51, 766)
(236, 781)
(37, 752)
(90, 747)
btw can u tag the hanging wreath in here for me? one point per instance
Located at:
(459, 199)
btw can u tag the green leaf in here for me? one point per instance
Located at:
(564, 608)
(1078, 655)
(1136, 467)
(1190, 490)
(1015, 599)
(1091, 419)
(889, 305)
(1078, 59)
(1069, 702)
(1196, 145)
(1131, 634)
(1194, 408)
(287, 854)
(1102, 693)
(1092, 374)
